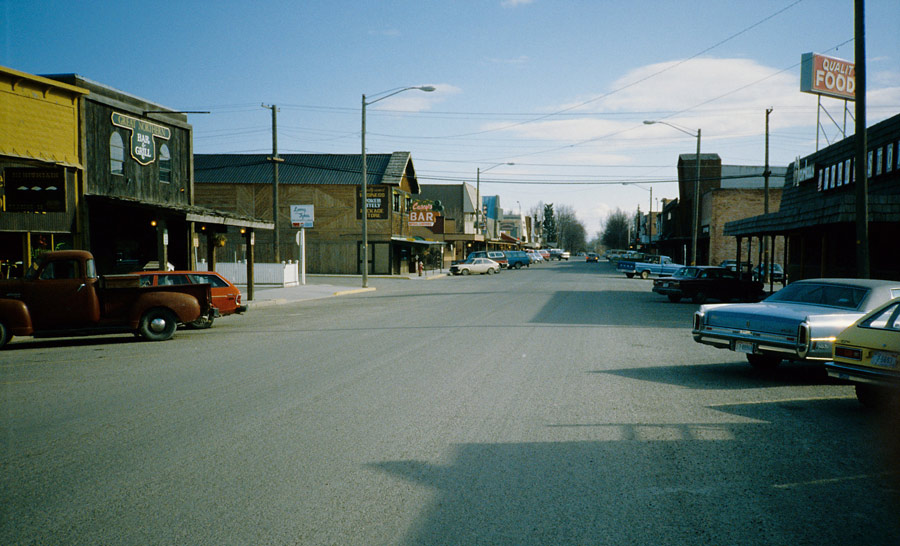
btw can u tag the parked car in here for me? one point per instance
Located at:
(226, 297)
(592, 257)
(475, 265)
(545, 254)
(868, 355)
(732, 265)
(535, 256)
(775, 271)
(565, 255)
(515, 259)
(495, 255)
(661, 266)
(799, 322)
(61, 295)
(700, 283)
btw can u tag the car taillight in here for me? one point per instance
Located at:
(698, 319)
(847, 352)
(238, 298)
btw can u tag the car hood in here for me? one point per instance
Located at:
(775, 318)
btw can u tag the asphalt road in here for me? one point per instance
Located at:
(563, 404)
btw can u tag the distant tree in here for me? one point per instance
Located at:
(549, 224)
(615, 230)
(571, 232)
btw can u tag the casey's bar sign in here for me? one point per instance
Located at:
(143, 133)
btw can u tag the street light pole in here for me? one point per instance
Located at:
(365, 175)
(696, 208)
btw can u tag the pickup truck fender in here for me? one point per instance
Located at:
(185, 306)
(15, 317)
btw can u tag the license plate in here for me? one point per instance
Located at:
(884, 360)
(743, 347)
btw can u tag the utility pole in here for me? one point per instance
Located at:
(862, 181)
(765, 242)
(275, 161)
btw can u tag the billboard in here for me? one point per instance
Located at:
(827, 76)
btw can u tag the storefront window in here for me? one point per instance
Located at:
(116, 153)
(165, 164)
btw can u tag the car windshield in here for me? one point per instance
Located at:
(830, 295)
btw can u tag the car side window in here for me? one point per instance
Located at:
(211, 280)
(172, 280)
(145, 280)
(61, 269)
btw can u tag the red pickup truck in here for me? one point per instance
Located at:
(61, 295)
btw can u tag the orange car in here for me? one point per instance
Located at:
(226, 297)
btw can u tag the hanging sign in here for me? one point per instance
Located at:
(143, 135)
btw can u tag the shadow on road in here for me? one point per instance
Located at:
(728, 375)
(691, 483)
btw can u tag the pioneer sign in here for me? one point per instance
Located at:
(143, 135)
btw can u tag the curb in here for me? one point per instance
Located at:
(354, 291)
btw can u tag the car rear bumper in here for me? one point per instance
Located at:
(795, 347)
(863, 374)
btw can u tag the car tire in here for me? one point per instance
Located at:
(157, 325)
(490, 271)
(699, 298)
(465, 272)
(875, 397)
(645, 275)
(5, 336)
(763, 362)
(674, 298)
(629, 275)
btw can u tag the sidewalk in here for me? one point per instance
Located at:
(317, 287)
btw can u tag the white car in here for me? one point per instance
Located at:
(475, 265)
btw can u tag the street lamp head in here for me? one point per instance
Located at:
(649, 122)
(426, 88)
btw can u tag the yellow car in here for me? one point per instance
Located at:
(868, 354)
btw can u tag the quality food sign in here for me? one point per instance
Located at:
(828, 76)
(143, 135)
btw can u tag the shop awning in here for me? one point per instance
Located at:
(416, 240)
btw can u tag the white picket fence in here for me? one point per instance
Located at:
(283, 274)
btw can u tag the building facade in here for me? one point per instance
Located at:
(41, 168)
(331, 184)
(818, 215)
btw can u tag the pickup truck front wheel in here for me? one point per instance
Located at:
(5, 336)
(158, 325)
(645, 274)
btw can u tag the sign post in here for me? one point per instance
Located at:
(302, 216)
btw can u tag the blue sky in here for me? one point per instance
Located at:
(560, 88)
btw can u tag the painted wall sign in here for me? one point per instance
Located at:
(143, 135)
(377, 202)
(828, 76)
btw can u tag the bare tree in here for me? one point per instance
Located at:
(615, 230)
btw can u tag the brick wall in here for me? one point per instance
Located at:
(726, 205)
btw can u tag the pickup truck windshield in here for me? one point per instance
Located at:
(831, 295)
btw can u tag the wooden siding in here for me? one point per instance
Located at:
(140, 182)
